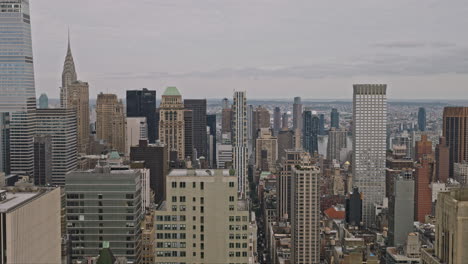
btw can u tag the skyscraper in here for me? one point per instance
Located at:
(142, 103)
(455, 131)
(171, 123)
(305, 218)
(335, 118)
(336, 142)
(211, 123)
(261, 119)
(423, 147)
(226, 117)
(423, 193)
(266, 150)
(137, 130)
(401, 211)
(321, 124)
(310, 132)
(60, 125)
(276, 120)
(422, 119)
(442, 159)
(369, 145)
(198, 107)
(297, 114)
(43, 101)
(69, 75)
(78, 99)
(285, 141)
(285, 120)
(188, 135)
(42, 160)
(110, 121)
(239, 141)
(17, 86)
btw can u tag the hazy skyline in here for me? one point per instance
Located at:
(271, 49)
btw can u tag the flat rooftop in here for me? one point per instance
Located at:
(15, 199)
(197, 172)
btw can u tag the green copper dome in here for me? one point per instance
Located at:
(171, 91)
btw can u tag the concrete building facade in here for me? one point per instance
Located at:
(172, 123)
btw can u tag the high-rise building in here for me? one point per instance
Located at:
(110, 121)
(171, 123)
(401, 211)
(198, 107)
(266, 150)
(5, 143)
(60, 125)
(148, 241)
(423, 147)
(422, 119)
(276, 120)
(369, 145)
(285, 121)
(285, 141)
(69, 75)
(137, 130)
(42, 160)
(224, 156)
(43, 101)
(142, 103)
(335, 118)
(423, 193)
(184, 220)
(460, 172)
(455, 131)
(30, 220)
(297, 114)
(451, 230)
(211, 124)
(261, 119)
(17, 86)
(442, 158)
(305, 215)
(155, 157)
(336, 142)
(109, 211)
(78, 99)
(239, 141)
(321, 124)
(283, 188)
(354, 208)
(226, 117)
(310, 132)
(190, 152)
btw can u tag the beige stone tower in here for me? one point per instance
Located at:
(110, 121)
(171, 124)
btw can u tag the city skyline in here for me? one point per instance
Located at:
(414, 61)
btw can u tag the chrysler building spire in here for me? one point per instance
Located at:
(68, 75)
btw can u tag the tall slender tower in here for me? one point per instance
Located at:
(455, 131)
(422, 119)
(110, 121)
(369, 140)
(69, 75)
(310, 132)
(171, 123)
(239, 143)
(143, 103)
(297, 114)
(276, 120)
(17, 88)
(335, 118)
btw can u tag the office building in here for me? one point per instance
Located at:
(239, 141)
(451, 234)
(155, 158)
(109, 211)
(43, 101)
(442, 158)
(285, 141)
(305, 215)
(369, 145)
(310, 132)
(60, 125)
(285, 121)
(142, 103)
(321, 125)
(422, 119)
(251, 133)
(423, 193)
(198, 107)
(283, 188)
(211, 124)
(423, 147)
(226, 117)
(5, 143)
(137, 130)
(69, 75)
(171, 123)
(224, 156)
(266, 150)
(110, 121)
(42, 160)
(188, 136)
(18, 98)
(354, 208)
(401, 211)
(297, 114)
(336, 142)
(188, 231)
(276, 120)
(78, 99)
(335, 119)
(29, 219)
(455, 131)
(460, 172)
(148, 241)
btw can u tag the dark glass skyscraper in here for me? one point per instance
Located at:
(422, 119)
(142, 103)
(322, 124)
(277, 120)
(310, 132)
(211, 123)
(198, 107)
(335, 118)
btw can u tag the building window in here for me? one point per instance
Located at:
(174, 184)
(231, 198)
(174, 199)
(231, 184)
(182, 184)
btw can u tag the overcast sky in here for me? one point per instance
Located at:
(272, 49)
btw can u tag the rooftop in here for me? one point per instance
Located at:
(15, 199)
(171, 91)
(194, 172)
